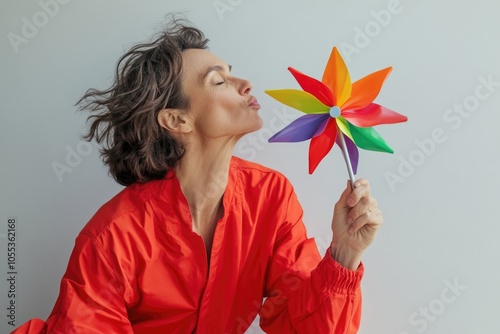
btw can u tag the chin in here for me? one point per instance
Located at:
(255, 127)
(259, 124)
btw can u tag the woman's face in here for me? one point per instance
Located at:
(220, 105)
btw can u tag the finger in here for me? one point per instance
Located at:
(361, 188)
(371, 219)
(364, 205)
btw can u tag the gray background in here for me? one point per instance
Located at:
(441, 221)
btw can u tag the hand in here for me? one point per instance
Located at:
(355, 222)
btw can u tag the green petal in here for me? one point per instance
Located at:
(368, 139)
(299, 100)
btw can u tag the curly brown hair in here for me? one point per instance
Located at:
(147, 79)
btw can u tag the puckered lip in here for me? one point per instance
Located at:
(253, 102)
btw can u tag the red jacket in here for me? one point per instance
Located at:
(137, 266)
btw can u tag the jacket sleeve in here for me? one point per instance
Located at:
(90, 299)
(306, 293)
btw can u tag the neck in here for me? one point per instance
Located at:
(203, 174)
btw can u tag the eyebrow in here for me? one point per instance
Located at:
(216, 68)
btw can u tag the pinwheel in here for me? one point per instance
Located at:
(336, 111)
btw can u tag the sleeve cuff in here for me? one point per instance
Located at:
(339, 278)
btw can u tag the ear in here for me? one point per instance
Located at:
(174, 120)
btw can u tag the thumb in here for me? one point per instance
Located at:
(342, 202)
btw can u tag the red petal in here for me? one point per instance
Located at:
(314, 87)
(373, 114)
(365, 90)
(322, 144)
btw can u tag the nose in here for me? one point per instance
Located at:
(244, 87)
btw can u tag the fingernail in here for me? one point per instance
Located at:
(351, 229)
(349, 221)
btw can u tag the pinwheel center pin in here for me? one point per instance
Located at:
(335, 111)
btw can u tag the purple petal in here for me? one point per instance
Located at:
(321, 127)
(352, 149)
(303, 128)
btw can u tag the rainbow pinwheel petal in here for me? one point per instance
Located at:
(365, 90)
(352, 149)
(303, 128)
(373, 114)
(368, 139)
(335, 107)
(299, 100)
(314, 87)
(322, 144)
(337, 78)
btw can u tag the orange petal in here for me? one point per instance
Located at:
(322, 144)
(365, 90)
(337, 78)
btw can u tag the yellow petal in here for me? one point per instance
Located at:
(342, 123)
(299, 99)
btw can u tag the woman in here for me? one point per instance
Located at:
(199, 238)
